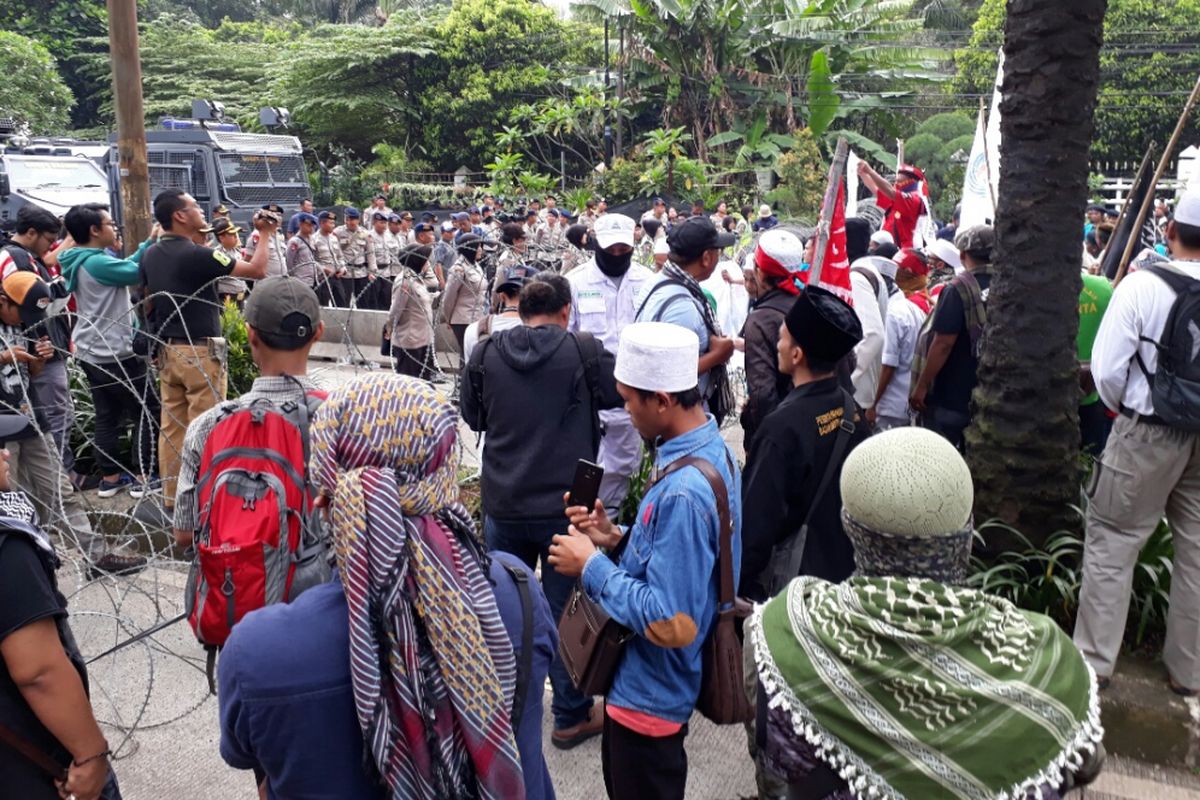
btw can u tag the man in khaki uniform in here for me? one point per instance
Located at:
(330, 260)
(359, 257)
(380, 293)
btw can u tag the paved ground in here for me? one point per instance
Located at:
(153, 701)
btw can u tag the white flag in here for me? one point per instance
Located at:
(977, 207)
(993, 131)
(851, 185)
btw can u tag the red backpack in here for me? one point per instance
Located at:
(257, 522)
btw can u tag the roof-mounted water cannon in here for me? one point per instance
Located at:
(208, 111)
(273, 117)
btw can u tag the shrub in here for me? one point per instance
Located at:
(945, 127)
(242, 369)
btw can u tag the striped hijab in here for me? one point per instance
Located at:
(431, 663)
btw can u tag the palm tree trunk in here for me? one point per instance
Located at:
(1023, 443)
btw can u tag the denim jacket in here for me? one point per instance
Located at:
(665, 588)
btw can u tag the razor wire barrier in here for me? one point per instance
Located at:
(128, 687)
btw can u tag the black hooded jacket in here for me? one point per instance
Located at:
(527, 387)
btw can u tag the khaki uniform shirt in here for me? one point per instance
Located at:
(410, 318)
(356, 250)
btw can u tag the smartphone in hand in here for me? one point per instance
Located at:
(585, 489)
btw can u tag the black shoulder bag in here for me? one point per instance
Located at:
(785, 561)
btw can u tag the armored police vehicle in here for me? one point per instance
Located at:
(219, 164)
(53, 174)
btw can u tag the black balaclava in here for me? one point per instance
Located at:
(613, 266)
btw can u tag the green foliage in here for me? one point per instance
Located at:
(639, 483)
(32, 92)
(242, 369)
(960, 146)
(947, 126)
(922, 149)
(1143, 79)
(823, 100)
(352, 85)
(802, 178)
(491, 54)
(1044, 579)
(1047, 579)
(66, 28)
(182, 60)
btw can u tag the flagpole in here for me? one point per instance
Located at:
(1125, 207)
(836, 168)
(1148, 200)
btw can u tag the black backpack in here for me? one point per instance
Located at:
(1175, 385)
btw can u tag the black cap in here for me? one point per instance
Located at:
(275, 207)
(326, 215)
(823, 325)
(695, 236)
(514, 278)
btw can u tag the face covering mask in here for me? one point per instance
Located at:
(613, 266)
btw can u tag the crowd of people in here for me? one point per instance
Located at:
(375, 640)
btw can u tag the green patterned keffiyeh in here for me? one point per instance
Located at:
(913, 689)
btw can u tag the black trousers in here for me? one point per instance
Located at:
(638, 767)
(355, 288)
(329, 292)
(381, 293)
(120, 391)
(410, 362)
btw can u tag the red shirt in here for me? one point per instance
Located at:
(902, 212)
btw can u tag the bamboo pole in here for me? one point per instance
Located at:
(837, 169)
(1148, 200)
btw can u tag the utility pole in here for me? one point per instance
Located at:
(131, 125)
(620, 83)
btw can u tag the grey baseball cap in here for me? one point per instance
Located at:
(283, 306)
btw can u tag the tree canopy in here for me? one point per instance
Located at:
(1148, 65)
(32, 92)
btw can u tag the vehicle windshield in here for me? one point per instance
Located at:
(252, 179)
(52, 173)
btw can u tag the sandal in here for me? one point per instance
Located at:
(1180, 689)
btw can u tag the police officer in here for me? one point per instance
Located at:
(301, 253)
(276, 262)
(380, 293)
(606, 291)
(395, 237)
(330, 260)
(225, 237)
(360, 259)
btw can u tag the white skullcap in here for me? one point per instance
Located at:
(1187, 211)
(947, 252)
(882, 237)
(614, 229)
(907, 482)
(782, 247)
(661, 248)
(658, 357)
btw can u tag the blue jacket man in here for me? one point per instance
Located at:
(665, 587)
